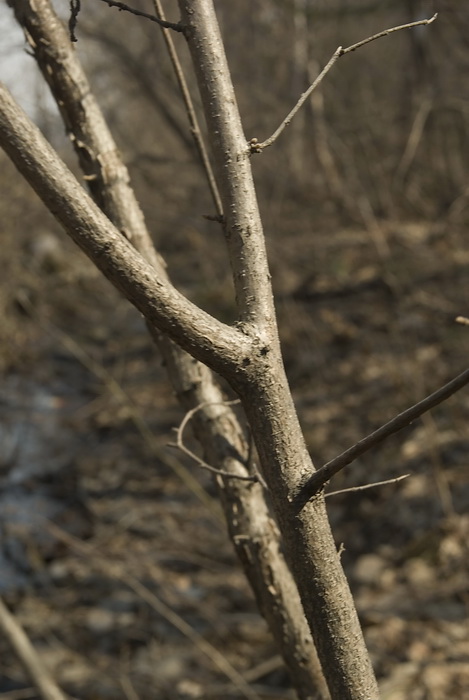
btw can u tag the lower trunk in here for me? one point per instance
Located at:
(309, 545)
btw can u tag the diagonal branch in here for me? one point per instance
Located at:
(316, 482)
(203, 336)
(24, 650)
(365, 487)
(180, 445)
(256, 147)
(190, 110)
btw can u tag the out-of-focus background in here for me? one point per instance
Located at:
(365, 201)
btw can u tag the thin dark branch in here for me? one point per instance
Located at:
(75, 7)
(191, 113)
(256, 147)
(176, 26)
(179, 444)
(316, 482)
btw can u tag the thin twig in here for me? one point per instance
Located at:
(364, 487)
(256, 147)
(316, 482)
(191, 114)
(386, 32)
(40, 676)
(179, 444)
(176, 26)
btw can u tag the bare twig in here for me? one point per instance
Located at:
(176, 26)
(179, 444)
(316, 482)
(364, 487)
(256, 147)
(414, 139)
(191, 114)
(24, 650)
(386, 32)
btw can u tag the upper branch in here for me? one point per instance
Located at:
(386, 32)
(256, 147)
(191, 113)
(204, 337)
(243, 225)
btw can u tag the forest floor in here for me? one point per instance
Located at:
(117, 563)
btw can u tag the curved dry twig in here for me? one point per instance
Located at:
(386, 32)
(179, 444)
(256, 147)
(191, 114)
